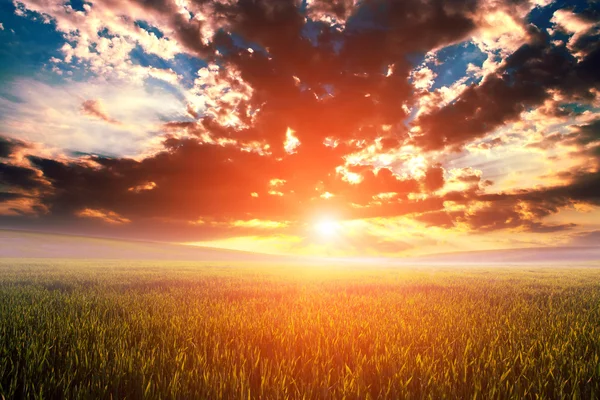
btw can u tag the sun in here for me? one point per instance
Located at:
(327, 227)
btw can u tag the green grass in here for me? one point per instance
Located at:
(145, 330)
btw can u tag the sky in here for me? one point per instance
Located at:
(336, 128)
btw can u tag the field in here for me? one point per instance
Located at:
(181, 330)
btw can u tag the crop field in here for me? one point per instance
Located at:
(114, 330)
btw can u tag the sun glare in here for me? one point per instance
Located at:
(327, 227)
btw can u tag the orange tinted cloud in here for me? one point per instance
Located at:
(95, 108)
(304, 112)
(107, 216)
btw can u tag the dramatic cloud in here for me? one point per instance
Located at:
(8, 146)
(19, 177)
(257, 119)
(526, 79)
(577, 25)
(106, 216)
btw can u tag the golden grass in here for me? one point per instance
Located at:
(182, 330)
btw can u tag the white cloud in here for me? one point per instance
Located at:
(105, 55)
(334, 13)
(51, 115)
(423, 78)
(441, 96)
(219, 91)
(86, 25)
(573, 24)
(501, 29)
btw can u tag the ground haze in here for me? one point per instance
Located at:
(116, 329)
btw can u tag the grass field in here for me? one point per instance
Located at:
(148, 330)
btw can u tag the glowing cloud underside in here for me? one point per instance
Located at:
(331, 127)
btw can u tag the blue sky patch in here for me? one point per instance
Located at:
(150, 29)
(77, 5)
(26, 44)
(452, 63)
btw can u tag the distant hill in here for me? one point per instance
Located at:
(24, 244)
(528, 255)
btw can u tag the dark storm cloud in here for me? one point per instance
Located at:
(7, 196)
(499, 216)
(495, 217)
(586, 138)
(378, 34)
(587, 43)
(192, 180)
(14, 177)
(185, 30)
(8, 146)
(321, 82)
(524, 81)
(589, 133)
(19, 177)
(585, 187)
(203, 182)
(291, 80)
(434, 179)
(524, 209)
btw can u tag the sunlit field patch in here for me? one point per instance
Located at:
(181, 330)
